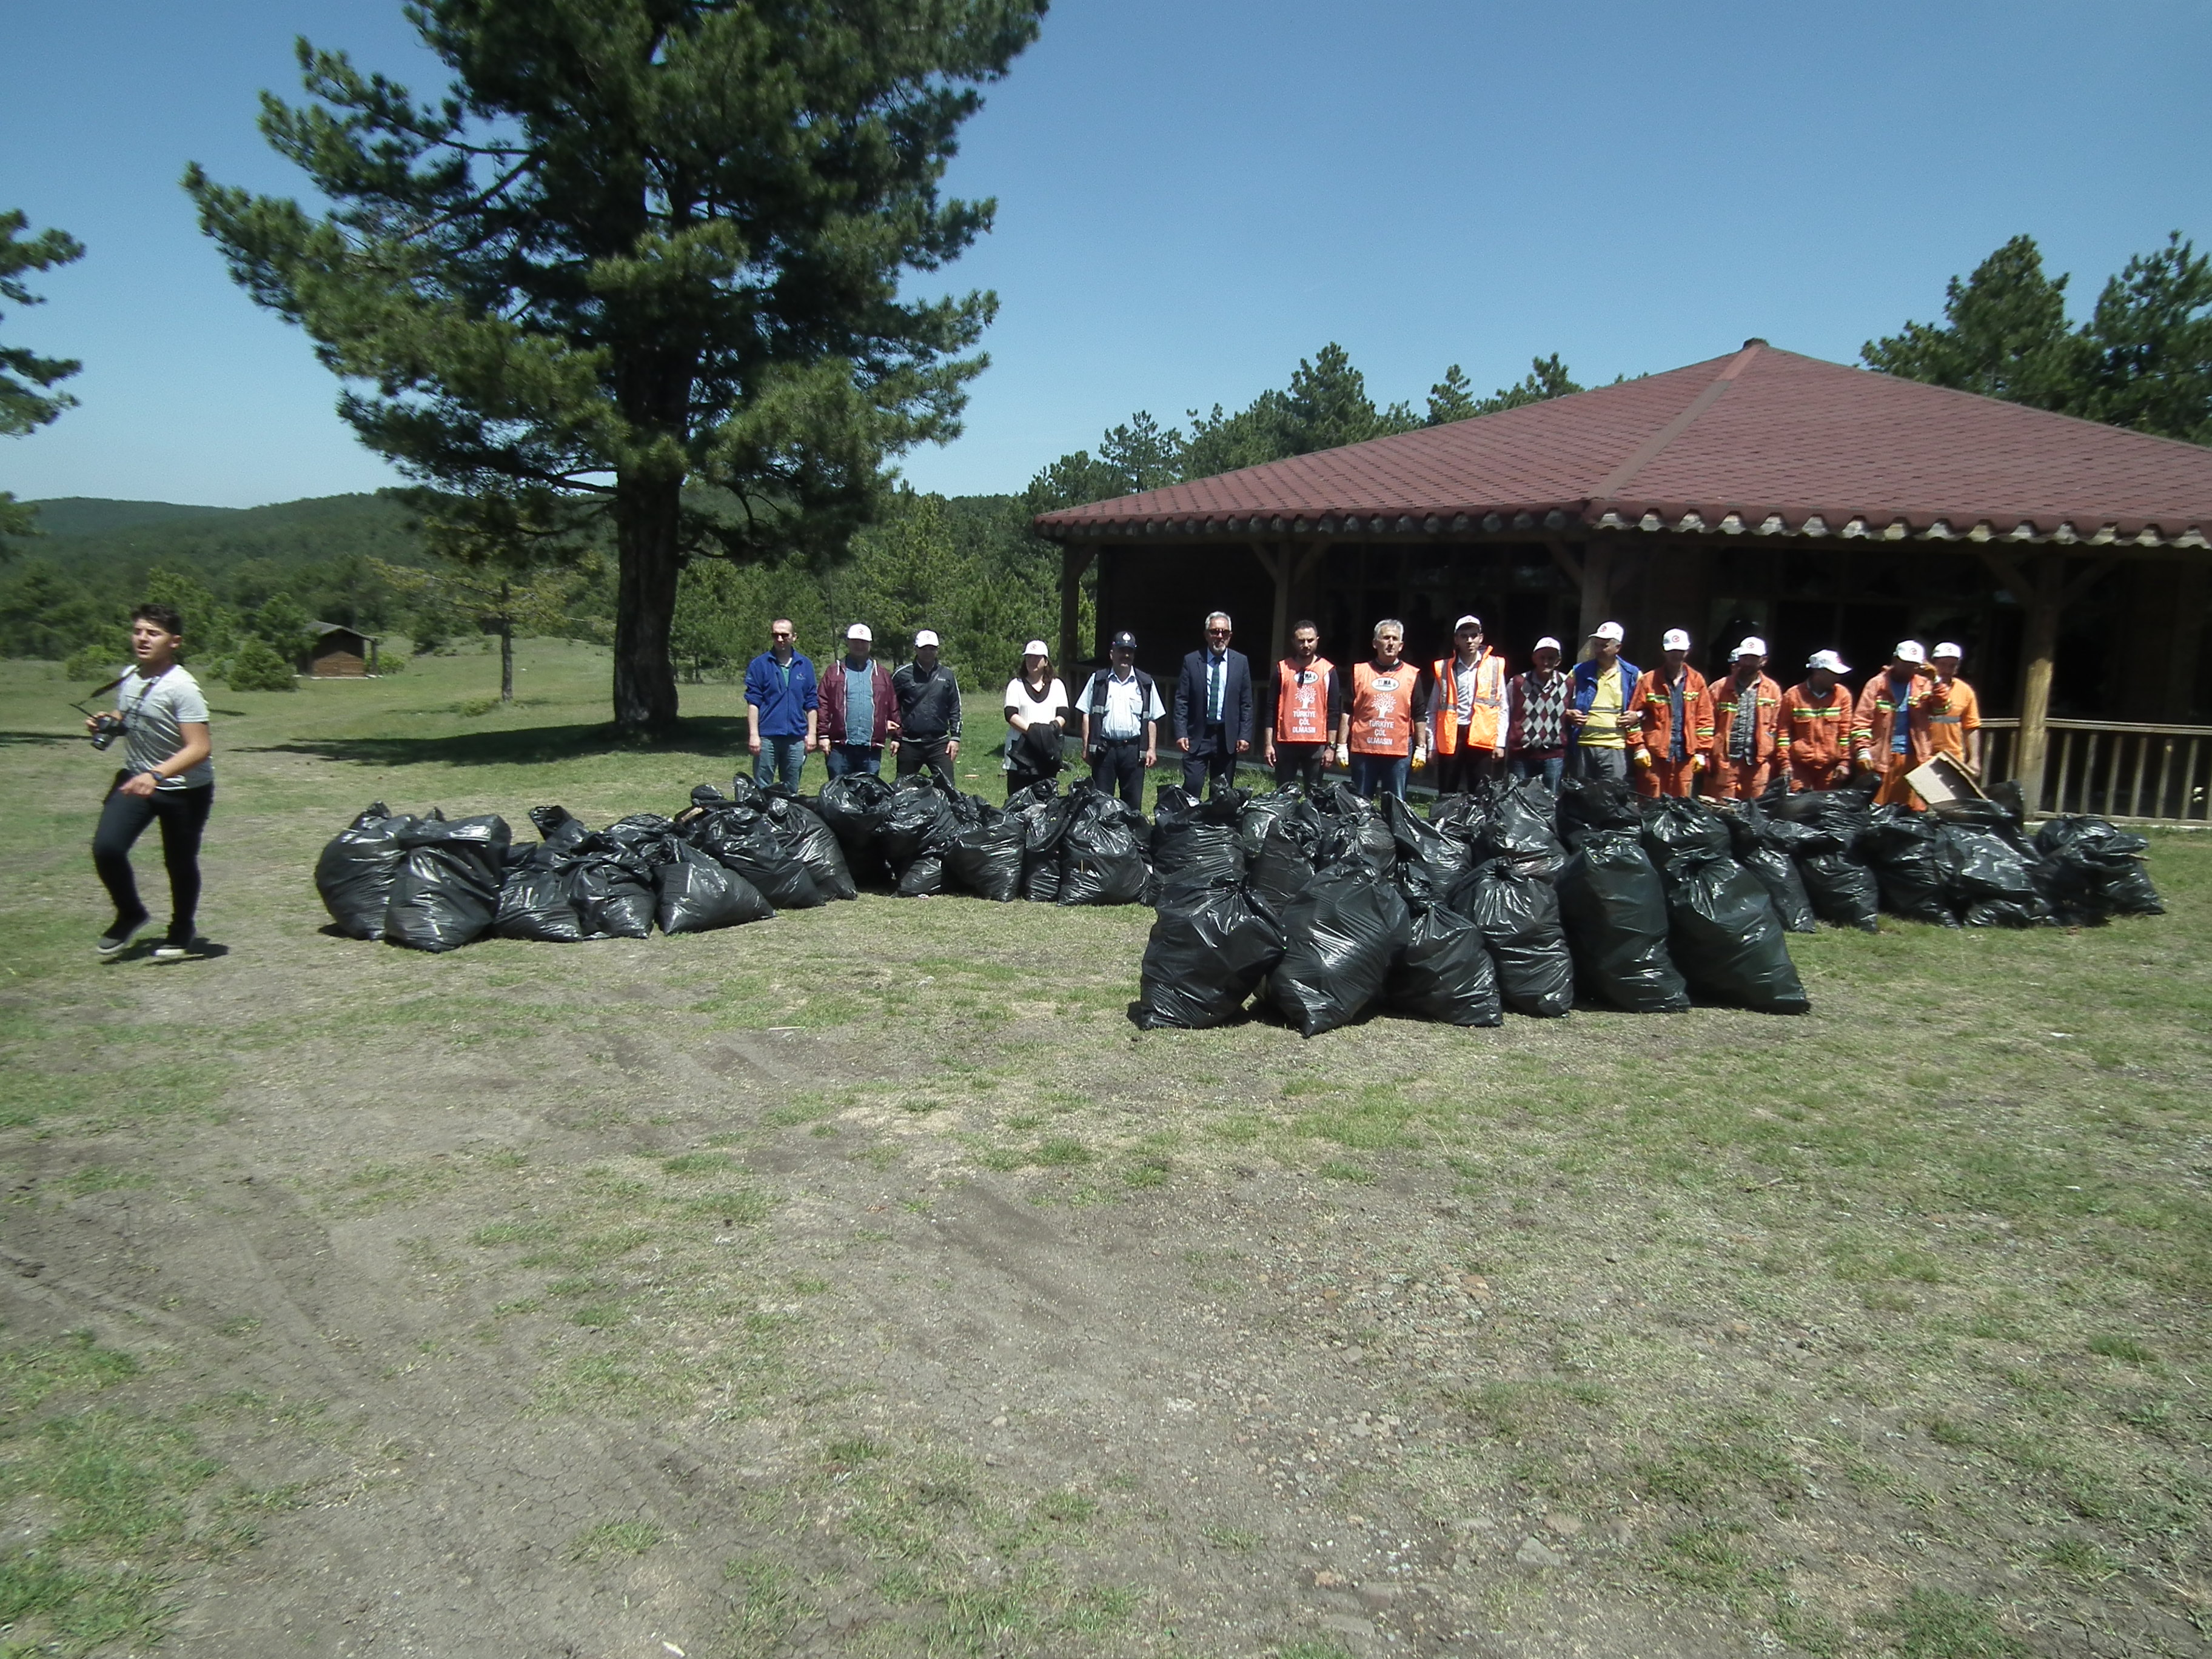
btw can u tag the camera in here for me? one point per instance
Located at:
(106, 728)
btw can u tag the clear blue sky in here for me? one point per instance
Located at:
(1195, 193)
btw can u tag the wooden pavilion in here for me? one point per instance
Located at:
(1817, 505)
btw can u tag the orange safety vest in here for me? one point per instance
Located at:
(1485, 710)
(1382, 708)
(1302, 701)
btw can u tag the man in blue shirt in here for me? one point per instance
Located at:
(782, 704)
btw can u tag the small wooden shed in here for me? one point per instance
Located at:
(340, 653)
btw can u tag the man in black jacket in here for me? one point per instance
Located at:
(1213, 710)
(928, 713)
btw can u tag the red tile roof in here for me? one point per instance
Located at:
(1759, 441)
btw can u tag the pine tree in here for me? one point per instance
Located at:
(642, 244)
(2004, 334)
(27, 399)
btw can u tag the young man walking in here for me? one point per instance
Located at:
(1299, 709)
(1465, 695)
(1745, 714)
(166, 777)
(782, 704)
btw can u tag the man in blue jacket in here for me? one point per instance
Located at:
(783, 703)
(1213, 710)
(1604, 686)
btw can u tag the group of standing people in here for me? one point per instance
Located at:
(1463, 719)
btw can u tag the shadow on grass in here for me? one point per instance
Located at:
(44, 739)
(708, 734)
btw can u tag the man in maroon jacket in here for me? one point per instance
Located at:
(858, 710)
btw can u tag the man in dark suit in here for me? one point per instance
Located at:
(1214, 709)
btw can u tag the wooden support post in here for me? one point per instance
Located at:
(2042, 592)
(1276, 563)
(1073, 561)
(1597, 590)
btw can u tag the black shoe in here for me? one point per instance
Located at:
(117, 939)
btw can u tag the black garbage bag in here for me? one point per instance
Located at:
(1432, 862)
(1287, 808)
(1212, 944)
(1993, 866)
(1838, 880)
(357, 867)
(1906, 851)
(1340, 939)
(612, 891)
(1465, 818)
(1281, 867)
(1043, 811)
(1444, 972)
(646, 831)
(807, 838)
(1198, 838)
(1518, 822)
(1725, 938)
(856, 807)
(987, 859)
(2092, 869)
(1675, 826)
(921, 821)
(1588, 804)
(743, 839)
(1102, 851)
(1518, 914)
(446, 891)
(538, 901)
(1040, 750)
(744, 792)
(558, 831)
(1614, 909)
(1352, 830)
(694, 892)
(1765, 846)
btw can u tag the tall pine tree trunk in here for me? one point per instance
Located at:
(646, 512)
(506, 645)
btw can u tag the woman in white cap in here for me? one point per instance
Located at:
(1816, 735)
(1036, 715)
(1889, 732)
(1745, 721)
(1954, 714)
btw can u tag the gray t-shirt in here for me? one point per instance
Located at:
(154, 713)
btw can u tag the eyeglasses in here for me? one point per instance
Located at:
(1222, 632)
(778, 633)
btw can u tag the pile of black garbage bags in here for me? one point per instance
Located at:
(1324, 907)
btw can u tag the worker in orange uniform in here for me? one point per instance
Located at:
(1300, 712)
(1466, 694)
(1889, 729)
(1669, 725)
(1954, 714)
(1814, 738)
(1382, 733)
(1744, 713)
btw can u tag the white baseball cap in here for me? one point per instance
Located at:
(1036, 648)
(1910, 651)
(1547, 643)
(1674, 639)
(928, 636)
(1475, 622)
(1613, 631)
(859, 631)
(1947, 649)
(1752, 646)
(1829, 660)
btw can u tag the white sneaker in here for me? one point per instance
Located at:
(170, 951)
(115, 942)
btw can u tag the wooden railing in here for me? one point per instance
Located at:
(2162, 774)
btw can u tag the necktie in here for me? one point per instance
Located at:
(1213, 693)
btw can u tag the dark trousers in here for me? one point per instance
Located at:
(1459, 774)
(1117, 766)
(123, 820)
(914, 753)
(1218, 767)
(1300, 762)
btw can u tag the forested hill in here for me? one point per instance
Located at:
(86, 533)
(89, 515)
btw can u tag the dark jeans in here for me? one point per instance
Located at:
(1300, 762)
(123, 820)
(1550, 768)
(1217, 767)
(844, 758)
(914, 753)
(1376, 775)
(1117, 766)
(1458, 775)
(781, 760)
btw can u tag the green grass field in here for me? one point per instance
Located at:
(863, 1282)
